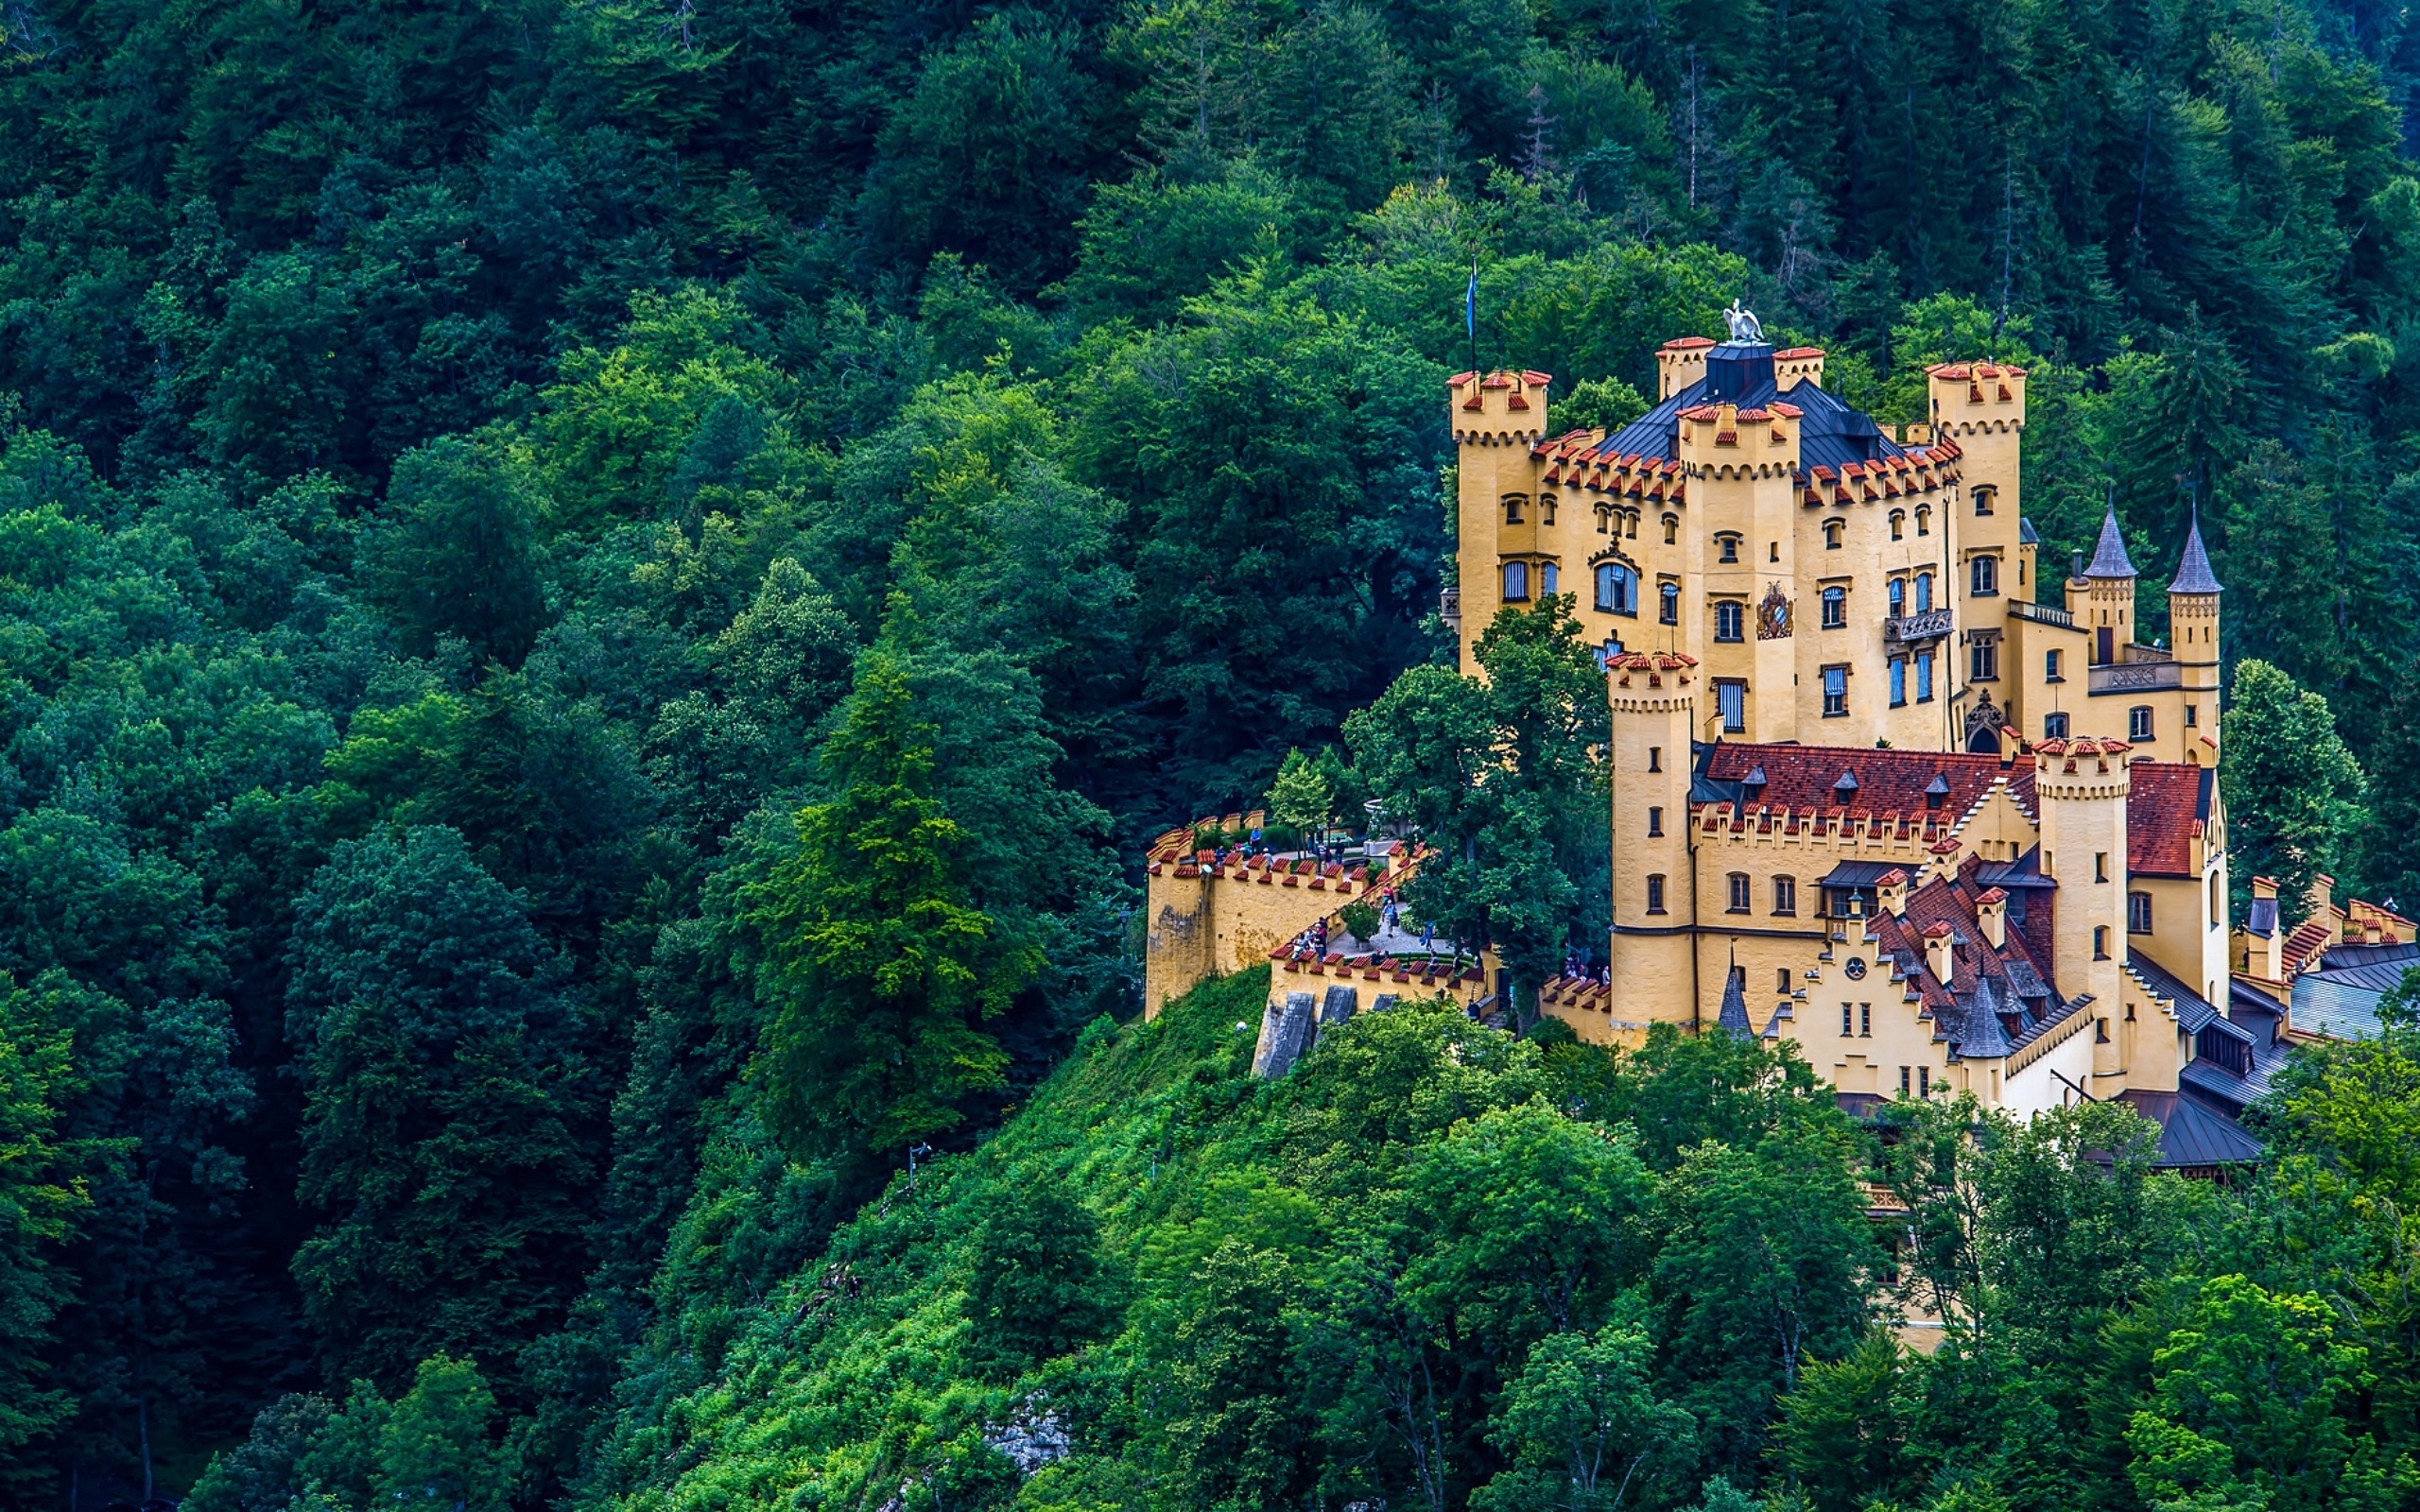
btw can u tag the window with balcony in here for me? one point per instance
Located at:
(1924, 591)
(1730, 616)
(1897, 595)
(1836, 609)
(1517, 582)
(1898, 681)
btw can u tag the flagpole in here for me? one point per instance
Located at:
(1470, 315)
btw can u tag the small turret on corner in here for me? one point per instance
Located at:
(2193, 636)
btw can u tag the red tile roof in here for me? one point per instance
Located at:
(2168, 806)
(1888, 782)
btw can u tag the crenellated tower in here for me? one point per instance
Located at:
(1652, 696)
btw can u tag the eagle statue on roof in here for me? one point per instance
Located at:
(1743, 323)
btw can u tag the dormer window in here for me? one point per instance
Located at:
(1936, 791)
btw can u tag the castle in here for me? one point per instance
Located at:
(1868, 794)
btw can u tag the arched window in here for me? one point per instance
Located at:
(1630, 529)
(1606, 519)
(1726, 547)
(1832, 535)
(1836, 607)
(1668, 604)
(1984, 492)
(1924, 591)
(1545, 507)
(1512, 508)
(1983, 575)
(1616, 589)
(1672, 530)
(1898, 524)
(1516, 582)
(1924, 520)
(1728, 617)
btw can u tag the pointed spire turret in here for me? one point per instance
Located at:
(2194, 574)
(1732, 1018)
(2109, 558)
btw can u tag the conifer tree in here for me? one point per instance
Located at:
(881, 973)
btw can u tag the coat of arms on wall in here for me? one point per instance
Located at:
(1773, 615)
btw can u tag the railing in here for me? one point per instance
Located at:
(1931, 624)
(2025, 609)
(2135, 677)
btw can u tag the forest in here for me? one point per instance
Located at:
(598, 598)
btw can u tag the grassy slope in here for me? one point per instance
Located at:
(851, 1382)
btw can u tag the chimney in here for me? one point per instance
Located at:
(1893, 889)
(2321, 896)
(1937, 952)
(1991, 917)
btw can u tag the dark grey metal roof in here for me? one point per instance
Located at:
(2191, 1135)
(1829, 433)
(1978, 1034)
(2109, 558)
(2025, 533)
(2193, 1011)
(1858, 874)
(2336, 955)
(2194, 574)
(2025, 871)
(1733, 1019)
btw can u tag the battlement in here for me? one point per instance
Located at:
(1501, 408)
(1969, 397)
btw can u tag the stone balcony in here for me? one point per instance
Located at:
(1914, 629)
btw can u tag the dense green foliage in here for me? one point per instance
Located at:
(594, 597)
(1444, 1266)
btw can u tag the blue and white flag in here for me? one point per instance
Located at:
(1470, 303)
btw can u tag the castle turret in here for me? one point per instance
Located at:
(2193, 633)
(1653, 705)
(2081, 787)
(2108, 593)
(1511, 537)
